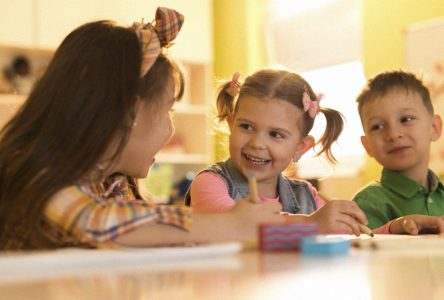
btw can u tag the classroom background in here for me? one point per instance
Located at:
(335, 44)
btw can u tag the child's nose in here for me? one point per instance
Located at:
(394, 132)
(257, 141)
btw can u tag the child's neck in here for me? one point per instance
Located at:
(268, 189)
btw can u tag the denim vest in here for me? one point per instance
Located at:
(294, 196)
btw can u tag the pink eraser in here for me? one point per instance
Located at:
(284, 236)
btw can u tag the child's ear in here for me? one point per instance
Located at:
(436, 127)
(367, 147)
(305, 144)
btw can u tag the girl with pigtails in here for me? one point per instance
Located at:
(270, 117)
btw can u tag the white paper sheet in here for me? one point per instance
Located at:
(78, 262)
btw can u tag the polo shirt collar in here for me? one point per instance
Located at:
(405, 186)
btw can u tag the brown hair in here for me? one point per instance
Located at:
(85, 99)
(385, 82)
(289, 87)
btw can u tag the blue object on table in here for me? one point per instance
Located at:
(324, 245)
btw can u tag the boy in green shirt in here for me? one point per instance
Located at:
(399, 124)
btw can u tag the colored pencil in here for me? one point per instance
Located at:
(252, 186)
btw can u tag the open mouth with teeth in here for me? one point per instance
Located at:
(256, 160)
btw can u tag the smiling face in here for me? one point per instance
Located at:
(265, 135)
(398, 132)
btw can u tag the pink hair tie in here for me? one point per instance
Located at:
(235, 85)
(312, 106)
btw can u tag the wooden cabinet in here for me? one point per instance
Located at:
(18, 19)
(192, 119)
(190, 149)
(42, 24)
(9, 104)
(195, 41)
(35, 28)
(56, 19)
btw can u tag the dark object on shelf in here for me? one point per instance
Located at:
(21, 66)
(19, 75)
(181, 187)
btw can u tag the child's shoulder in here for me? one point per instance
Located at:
(371, 190)
(297, 181)
(373, 185)
(218, 167)
(69, 193)
(64, 200)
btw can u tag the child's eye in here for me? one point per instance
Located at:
(376, 127)
(276, 134)
(407, 119)
(245, 126)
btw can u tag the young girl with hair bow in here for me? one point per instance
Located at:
(270, 117)
(91, 125)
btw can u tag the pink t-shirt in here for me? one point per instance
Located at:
(209, 194)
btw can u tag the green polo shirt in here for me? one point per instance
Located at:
(396, 196)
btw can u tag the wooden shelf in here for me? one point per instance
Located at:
(185, 108)
(35, 28)
(192, 118)
(182, 158)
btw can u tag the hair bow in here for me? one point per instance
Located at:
(312, 106)
(234, 87)
(161, 33)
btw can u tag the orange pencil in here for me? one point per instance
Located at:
(362, 227)
(252, 186)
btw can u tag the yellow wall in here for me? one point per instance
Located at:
(239, 45)
(383, 29)
(383, 26)
(238, 36)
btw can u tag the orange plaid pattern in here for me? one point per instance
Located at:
(161, 33)
(86, 215)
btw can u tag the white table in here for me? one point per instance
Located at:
(224, 272)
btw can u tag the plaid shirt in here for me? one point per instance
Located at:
(92, 216)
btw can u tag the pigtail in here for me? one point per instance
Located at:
(224, 102)
(335, 121)
(226, 96)
(333, 129)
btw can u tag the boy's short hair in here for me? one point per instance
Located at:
(385, 82)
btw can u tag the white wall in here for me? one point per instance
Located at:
(44, 23)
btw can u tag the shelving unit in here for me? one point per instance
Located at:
(9, 104)
(192, 150)
(192, 121)
(43, 24)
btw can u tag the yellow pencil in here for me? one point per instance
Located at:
(362, 227)
(252, 186)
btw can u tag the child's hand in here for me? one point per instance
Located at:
(249, 215)
(339, 216)
(416, 224)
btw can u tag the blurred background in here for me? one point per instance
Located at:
(335, 44)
